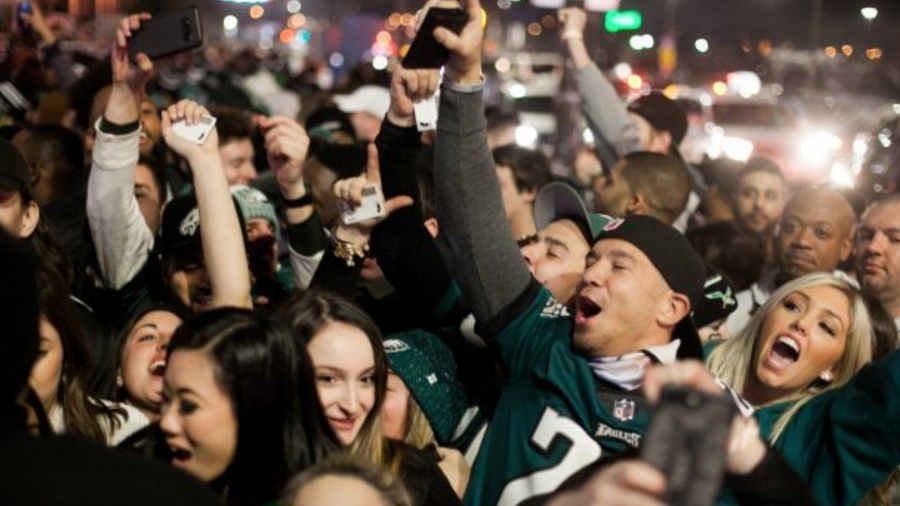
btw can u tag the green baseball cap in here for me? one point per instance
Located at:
(558, 200)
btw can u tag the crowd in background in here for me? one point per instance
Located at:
(498, 335)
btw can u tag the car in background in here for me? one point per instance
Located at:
(740, 118)
(530, 84)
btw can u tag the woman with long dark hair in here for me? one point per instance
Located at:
(239, 407)
(60, 373)
(351, 373)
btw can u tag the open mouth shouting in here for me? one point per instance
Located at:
(585, 309)
(783, 353)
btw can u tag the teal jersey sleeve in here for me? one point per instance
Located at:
(553, 417)
(845, 441)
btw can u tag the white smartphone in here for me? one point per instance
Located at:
(372, 206)
(196, 133)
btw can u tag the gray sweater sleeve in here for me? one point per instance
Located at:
(606, 114)
(484, 258)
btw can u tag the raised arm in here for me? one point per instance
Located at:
(287, 145)
(220, 233)
(485, 259)
(122, 237)
(606, 113)
(51, 54)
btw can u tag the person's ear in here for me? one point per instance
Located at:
(674, 309)
(433, 227)
(30, 217)
(847, 245)
(529, 196)
(636, 204)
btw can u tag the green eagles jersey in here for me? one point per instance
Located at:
(554, 417)
(846, 441)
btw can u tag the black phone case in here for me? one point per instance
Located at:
(167, 34)
(425, 52)
(686, 442)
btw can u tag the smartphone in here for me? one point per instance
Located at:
(686, 442)
(23, 8)
(196, 133)
(427, 53)
(167, 34)
(372, 206)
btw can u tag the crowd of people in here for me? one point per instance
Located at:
(199, 322)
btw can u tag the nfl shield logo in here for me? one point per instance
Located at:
(623, 410)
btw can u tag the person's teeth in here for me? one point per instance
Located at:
(790, 342)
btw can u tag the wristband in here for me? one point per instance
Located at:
(572, 34)
(303, 201)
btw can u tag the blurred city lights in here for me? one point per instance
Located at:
(635, 82)
(504, 4)
(847, 49)
(526, 136)
(286, 36)
(841, 175)
(502, 65)
(534, 29)
(701, 45)
(257, 11)
(380, 62)
(622, 70)
(296, 21)
(719, 88)
(383, 38)
(294, 6)
(831, 51)
(873, 53)
(230, 22)
(336, 60)
(303, 37)
(640, 42)
(869, 13)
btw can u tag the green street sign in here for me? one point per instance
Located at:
(623, 21)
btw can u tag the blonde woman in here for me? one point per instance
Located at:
(802, 363)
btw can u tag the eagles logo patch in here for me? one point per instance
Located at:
(554, 309)
(614, 224)
(190, 223)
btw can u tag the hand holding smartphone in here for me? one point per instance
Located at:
(167, 34)
(686, 442)
(427, 53)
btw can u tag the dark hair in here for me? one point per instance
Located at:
(310, 312)
(530, 167)
(732, 249)
(884, 331)
(232, 124)
(159, 177)
(661, 180)
(761, 164)
(389, 488)
(83, 415)
(122, 337)
(57, 149)
(269, 380)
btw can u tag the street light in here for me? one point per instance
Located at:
(869, 13)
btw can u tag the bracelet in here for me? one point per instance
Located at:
(571, 34)
(299, 202)
(347, 251)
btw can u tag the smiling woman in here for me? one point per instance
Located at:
(804, 362)
(220, 426)
(351, 378)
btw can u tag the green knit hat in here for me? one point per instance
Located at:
(428, 369)
(254, 204)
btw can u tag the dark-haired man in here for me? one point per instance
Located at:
(645, 183)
